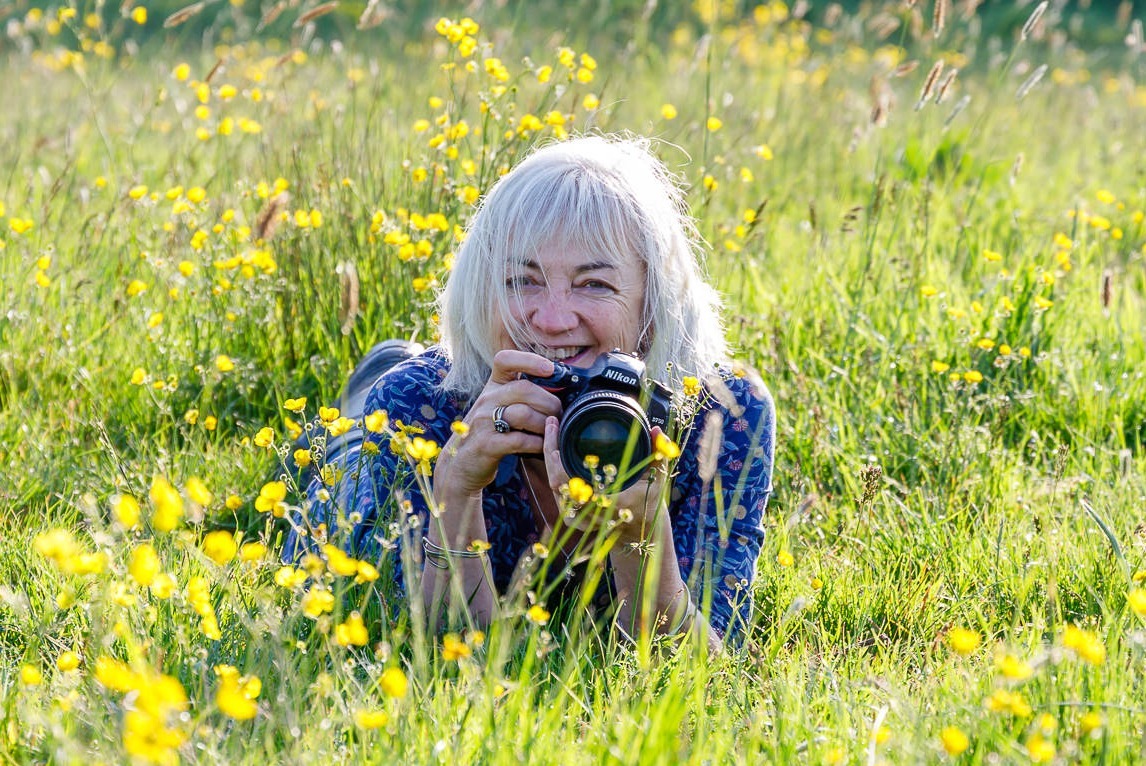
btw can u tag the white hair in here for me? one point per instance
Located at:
(605, 195)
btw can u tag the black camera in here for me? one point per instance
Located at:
(610, 409)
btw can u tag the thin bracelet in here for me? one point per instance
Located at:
(439, 557)
(689, 611)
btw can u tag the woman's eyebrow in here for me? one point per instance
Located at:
(581, 269)
(595, 266)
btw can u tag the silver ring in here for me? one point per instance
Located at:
(500, 424)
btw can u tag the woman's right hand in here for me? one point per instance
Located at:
(468, 462)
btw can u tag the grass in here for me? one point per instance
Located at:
(928, 480)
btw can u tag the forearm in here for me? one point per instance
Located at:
(652, 597)
(465, 582)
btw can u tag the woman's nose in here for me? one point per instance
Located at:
(553, 313)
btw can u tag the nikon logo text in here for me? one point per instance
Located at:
(620, 377)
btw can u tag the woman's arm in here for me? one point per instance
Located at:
(464, 470)
(653, 597)
(721, 492)
(457, 525)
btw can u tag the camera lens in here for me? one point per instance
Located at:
(608, 425)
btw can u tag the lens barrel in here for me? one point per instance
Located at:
(604, 423)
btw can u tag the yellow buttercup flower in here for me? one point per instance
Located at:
(265, 437)
(376, 422)
(1003, 701)
(289, 577)
(1014, 668)
(1090, 722)
(126, 510)
(422, 450)
(197, 491)
(316, 602)
(453, 648)
(963, 641)
(271, 498)
(164, 586)
(68, 661)
(167, 503)
(30, 675)
(144, 565)
(116, 675)
(1137, 601)
(1040, 749)
(236, 695)
(954, 741)
(666, 448)
(1085, 644)
(352, 632)
(580, 491)
(220, 546)
(394, 682)
(253, 551)
(370, 719)
(338, 562)
(367, 572)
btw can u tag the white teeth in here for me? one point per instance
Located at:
(558, 354)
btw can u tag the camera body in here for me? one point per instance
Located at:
(609, 411)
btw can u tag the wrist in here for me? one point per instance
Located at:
(685, 613)
(642, 532)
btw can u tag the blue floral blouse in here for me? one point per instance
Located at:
(717, 524)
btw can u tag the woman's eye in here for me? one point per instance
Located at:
(595, 284)
(518, 282)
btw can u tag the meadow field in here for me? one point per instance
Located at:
(926, 219)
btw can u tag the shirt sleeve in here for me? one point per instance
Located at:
(388, 503)
(722, 487)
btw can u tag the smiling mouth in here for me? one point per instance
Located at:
(559, 354)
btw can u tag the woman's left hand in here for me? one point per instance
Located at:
(642, 499)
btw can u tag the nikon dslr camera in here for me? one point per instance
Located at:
(610, 409)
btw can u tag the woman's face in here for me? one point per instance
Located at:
(575, 305)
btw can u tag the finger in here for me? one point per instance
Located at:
(522, 417)
(514, 443)
(509, 364)
(554, 468)
(530, 394)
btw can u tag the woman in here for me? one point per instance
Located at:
(583, 248)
